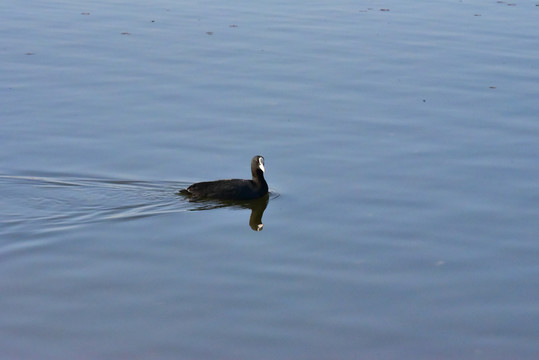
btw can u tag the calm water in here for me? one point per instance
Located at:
(401, 141)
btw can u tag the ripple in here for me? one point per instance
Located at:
(44, 203)
(47, 203)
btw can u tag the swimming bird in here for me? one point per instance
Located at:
(233, 189)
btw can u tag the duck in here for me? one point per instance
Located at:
(233, 189)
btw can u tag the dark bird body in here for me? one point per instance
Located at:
(233, 189)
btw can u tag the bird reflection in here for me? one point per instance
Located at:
(257, 206)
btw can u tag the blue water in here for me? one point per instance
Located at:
(400, 140)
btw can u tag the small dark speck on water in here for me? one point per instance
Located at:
(492, 87)
(29, 53)
(126, 33)
(384, 9)
(85, 13)
(209, 32)
(233, 26)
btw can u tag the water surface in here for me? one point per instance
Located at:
(401, 143)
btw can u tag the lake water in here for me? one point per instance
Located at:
(401, 141)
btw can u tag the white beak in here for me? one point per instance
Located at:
(261, 165)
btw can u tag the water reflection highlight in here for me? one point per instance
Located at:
(257, 207)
